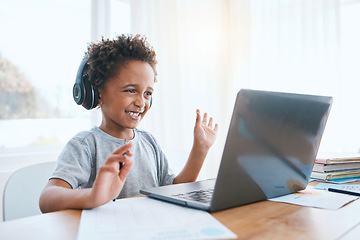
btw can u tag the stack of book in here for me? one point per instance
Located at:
(344, 168)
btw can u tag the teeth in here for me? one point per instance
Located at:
(133, 114)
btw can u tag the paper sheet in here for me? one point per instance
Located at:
(312, 197)
(348, 187)
(146, 218)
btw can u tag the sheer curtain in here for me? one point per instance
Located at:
(191, 44)
(209, 49)
(295, 47)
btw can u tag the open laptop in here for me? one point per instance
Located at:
(270, 151)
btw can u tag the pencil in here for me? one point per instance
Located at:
(343, 191)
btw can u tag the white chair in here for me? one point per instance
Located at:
(23, 189)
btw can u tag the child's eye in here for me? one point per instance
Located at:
(130, 90)
(148, 93)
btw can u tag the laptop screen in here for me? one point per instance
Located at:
(271, 145)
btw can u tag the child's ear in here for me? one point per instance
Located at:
(99, 98)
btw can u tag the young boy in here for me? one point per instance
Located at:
(88, 171)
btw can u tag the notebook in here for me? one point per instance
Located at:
(270, 149)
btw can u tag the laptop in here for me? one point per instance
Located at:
(272, 142)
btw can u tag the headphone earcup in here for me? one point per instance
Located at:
(83, 92)
(96, 97)
(150, 102)
(79, 89)
(89, 97)
(79, 93)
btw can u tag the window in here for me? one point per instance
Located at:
(41, 46)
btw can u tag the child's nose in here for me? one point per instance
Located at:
(140, 102)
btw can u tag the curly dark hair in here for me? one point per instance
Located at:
(107, 56)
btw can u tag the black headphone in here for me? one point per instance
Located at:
(83, 92)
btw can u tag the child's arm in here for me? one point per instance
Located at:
(204, 137)
(58, 194)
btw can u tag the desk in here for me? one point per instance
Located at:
(261, 220)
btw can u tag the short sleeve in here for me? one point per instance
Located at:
(74, 164)
(167, 176)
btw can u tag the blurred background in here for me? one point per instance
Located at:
(207, 51)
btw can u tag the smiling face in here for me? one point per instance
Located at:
(125, 99)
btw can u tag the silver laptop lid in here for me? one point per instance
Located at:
(271, 146)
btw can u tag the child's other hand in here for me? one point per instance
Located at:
(110, 180)
(204, 138)
(204, 133)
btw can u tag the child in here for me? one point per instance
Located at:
(88, 173)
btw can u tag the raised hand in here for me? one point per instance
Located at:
(204, 132)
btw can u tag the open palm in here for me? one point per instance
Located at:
(204, 132)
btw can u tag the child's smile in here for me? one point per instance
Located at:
(134, 115)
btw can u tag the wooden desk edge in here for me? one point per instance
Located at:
(264, 219)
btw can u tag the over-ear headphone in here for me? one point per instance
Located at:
(83, 92)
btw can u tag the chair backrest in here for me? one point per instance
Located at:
(22, 190)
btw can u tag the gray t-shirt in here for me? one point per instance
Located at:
(80, 160)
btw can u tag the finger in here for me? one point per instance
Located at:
(198, 116)
(128, 153)
(210, 122)
(126, 169)
(123, 148)
(216, 127)
(114, 159)
(115, 162)
(205, 118)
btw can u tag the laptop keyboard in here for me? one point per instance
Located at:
(198, 195)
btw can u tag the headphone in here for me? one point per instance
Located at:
(83, 92)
